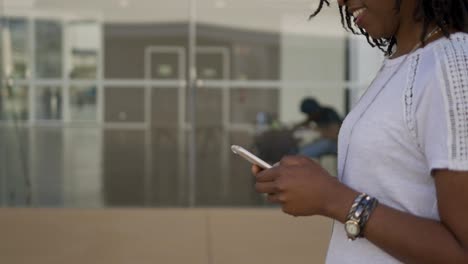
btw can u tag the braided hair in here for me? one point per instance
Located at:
(447, 14)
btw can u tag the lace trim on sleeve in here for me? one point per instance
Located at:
(453, 76)
(409, 95)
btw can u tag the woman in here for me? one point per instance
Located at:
(402, 190)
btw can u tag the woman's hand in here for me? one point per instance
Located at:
(299, 184)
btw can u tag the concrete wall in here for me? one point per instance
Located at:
(221, 236)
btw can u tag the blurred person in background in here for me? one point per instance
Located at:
(401, 194)
(273, 140)
(324, 120)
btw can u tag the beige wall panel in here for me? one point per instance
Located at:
(169, 236)
(44, 236)
(267, 236)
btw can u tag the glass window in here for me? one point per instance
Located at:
(47, 166)
(124, 105)
(14, 156)
(49, 49)
(125, 46)
(248, 70)
(256, 61)
(83, 103)
(14, 102)
(165, 65)
(15, 48)
(84, 42)
(49, 103)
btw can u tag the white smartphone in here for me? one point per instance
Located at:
(250, 157)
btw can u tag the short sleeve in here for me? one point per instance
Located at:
(442, 118)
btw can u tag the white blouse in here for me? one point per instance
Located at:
(412, 119)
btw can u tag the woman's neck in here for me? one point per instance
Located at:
(409, 37)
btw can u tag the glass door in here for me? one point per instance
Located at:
(256, 60)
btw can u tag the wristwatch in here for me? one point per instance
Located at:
(353, 224)
(354, 221)
(352, 229)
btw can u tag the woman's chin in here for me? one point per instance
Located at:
(378, 35)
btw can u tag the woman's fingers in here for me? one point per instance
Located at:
(266, 187)
(268, 175)
(256, 169)
(276, 198)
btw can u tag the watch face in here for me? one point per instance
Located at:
(352, 228)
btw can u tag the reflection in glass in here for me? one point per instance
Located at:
(15, 187)
(2, 28)
(47, 166)
(148, 156)
(252, 55)
(85, 42)
(124, 168)
(48, 49)
(253, 61)
(246, 103)
(83, 103)
(124, 105)
(15, 54)
(14, 102)
(165, 65)
(49, 103)
(83, 166)
(210, 66)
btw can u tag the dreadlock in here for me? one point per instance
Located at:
(447, 14)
